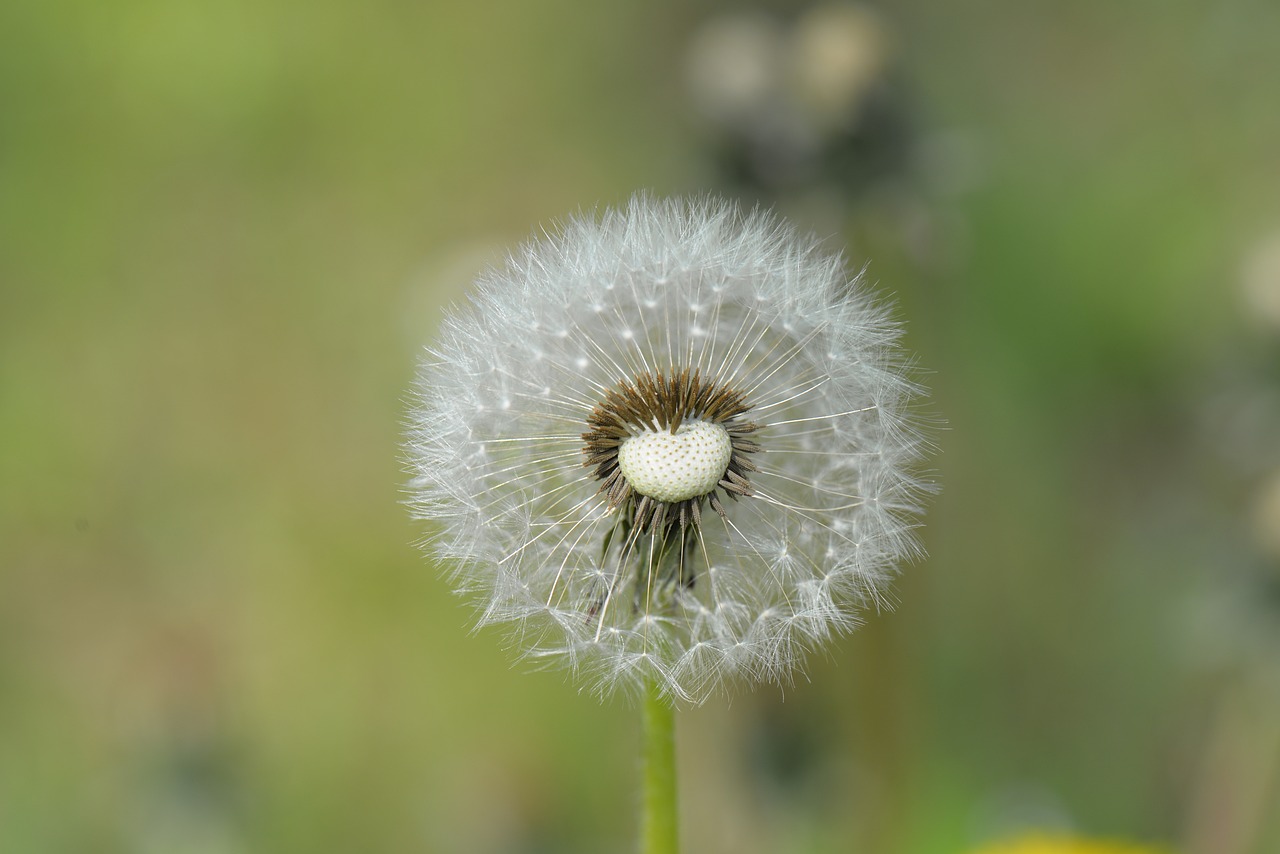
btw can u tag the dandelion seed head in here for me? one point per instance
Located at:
(671, 442)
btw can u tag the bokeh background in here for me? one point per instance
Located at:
(227, 229)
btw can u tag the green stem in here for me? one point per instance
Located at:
(659, 828)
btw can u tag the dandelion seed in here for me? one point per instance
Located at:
(669, 445)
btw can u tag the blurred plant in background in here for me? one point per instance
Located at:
(222, 228)
(1064, 845)
(810, 110)
(803, 104)
(1235, 789)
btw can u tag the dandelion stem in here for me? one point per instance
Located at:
(659, 827)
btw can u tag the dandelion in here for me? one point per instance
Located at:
(669, 446)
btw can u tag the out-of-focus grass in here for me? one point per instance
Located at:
(225, 229)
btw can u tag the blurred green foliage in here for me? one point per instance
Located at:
(225, 231)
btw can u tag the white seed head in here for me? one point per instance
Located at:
(674, 467)
(669, 443)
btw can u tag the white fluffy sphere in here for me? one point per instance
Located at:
(670, 443)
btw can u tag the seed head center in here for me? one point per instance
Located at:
(664, 445)
(677, 466)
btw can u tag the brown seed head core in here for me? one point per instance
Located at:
(663, 401)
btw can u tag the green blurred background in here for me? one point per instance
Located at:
(226, 229)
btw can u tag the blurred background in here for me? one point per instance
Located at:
(227, 229)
